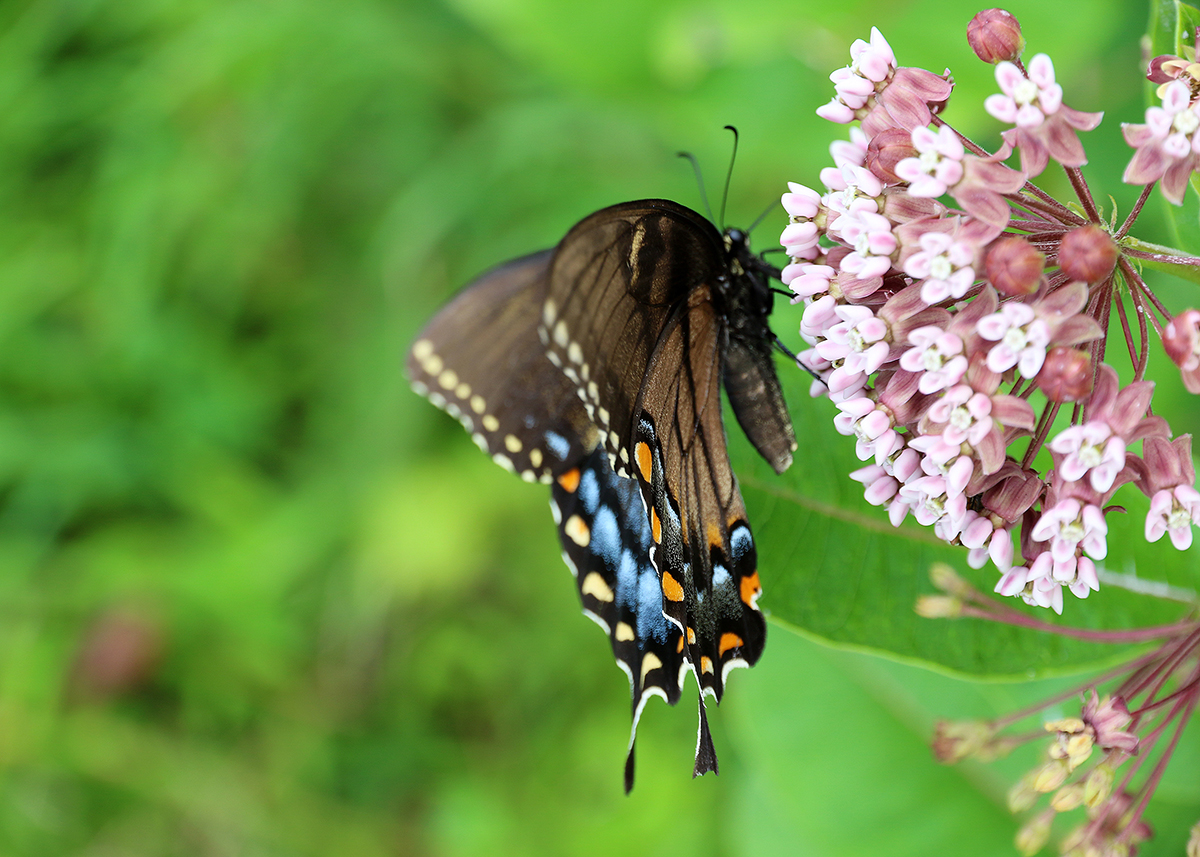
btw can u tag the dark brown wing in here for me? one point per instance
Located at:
(616, 279)
(480, 360)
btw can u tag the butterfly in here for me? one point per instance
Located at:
(595, 367)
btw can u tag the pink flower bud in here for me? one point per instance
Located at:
(886, 149)
(995, 36)
(1087, 254)
(1014, 266)
(1066, 375)
(1181, 339)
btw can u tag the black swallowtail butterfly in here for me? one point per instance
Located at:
(595, 367)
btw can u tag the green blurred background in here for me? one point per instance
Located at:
(256, 597)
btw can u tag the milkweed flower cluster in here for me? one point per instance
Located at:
(1107, 760)
(953, 309)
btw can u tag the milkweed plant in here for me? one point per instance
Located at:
(959, 319)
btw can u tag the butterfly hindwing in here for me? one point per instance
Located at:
(606, 543)
(703, 549)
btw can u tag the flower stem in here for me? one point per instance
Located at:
(1083, 192)
(1134, 212)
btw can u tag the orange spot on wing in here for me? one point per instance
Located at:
(570, 480)
(706, 664)
(714, 536)
(641, 454)
(691, 635)
(655, 526)
(679, 645)
(672, 591)
(751, 588)
(728, 641)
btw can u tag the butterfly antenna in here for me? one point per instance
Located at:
(699, 181)
(761, 217)
(729, 175)
(787, 351)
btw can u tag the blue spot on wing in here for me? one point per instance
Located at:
(589, 494)
(606, 535)
(558, 444)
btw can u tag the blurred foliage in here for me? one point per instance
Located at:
(257, 598)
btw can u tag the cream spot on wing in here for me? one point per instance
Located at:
(595, 586)
(575, 353)
(491, 423)
(549, 312)
(448, 379)
(478, 405)
(624, 632)
(593, 390)
(603, 413)
(433, 365)
(614, 439)
(528, 476)
(535, 457)
(463, 390)
(512, 443)
(560, 334)
(584, 371)
(439, 401)
(577, 531)
(650, 662)
(480, 441)
(421, 350)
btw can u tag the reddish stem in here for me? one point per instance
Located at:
(1133, 214)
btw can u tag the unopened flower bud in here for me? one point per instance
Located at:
(945, 578)
(1014, 266)
(1181, 339)
(1023, 795)
(1098, 785)
(938, 607)
(1087, 254)
(886, 149)
(1066, 375)
(954, 741)
(1051, 775)
(1067, 798)
(995, 36)
(1034, 834)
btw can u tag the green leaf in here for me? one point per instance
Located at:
(834, 568)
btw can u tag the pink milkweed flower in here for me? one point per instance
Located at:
(944, 264)
(1070, 525)
(1021, 339)
(1090, 448)
(872, 244)
(937, 355)
(965, 413)
(938, 164)
(1181, 341)
(858, 340)
(1174, 502)
(1166, 146)
(870, 64)
(1045, 127)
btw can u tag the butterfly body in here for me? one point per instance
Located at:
(596, 367)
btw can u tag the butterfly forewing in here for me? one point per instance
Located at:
(480, 360)
(617, 278)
